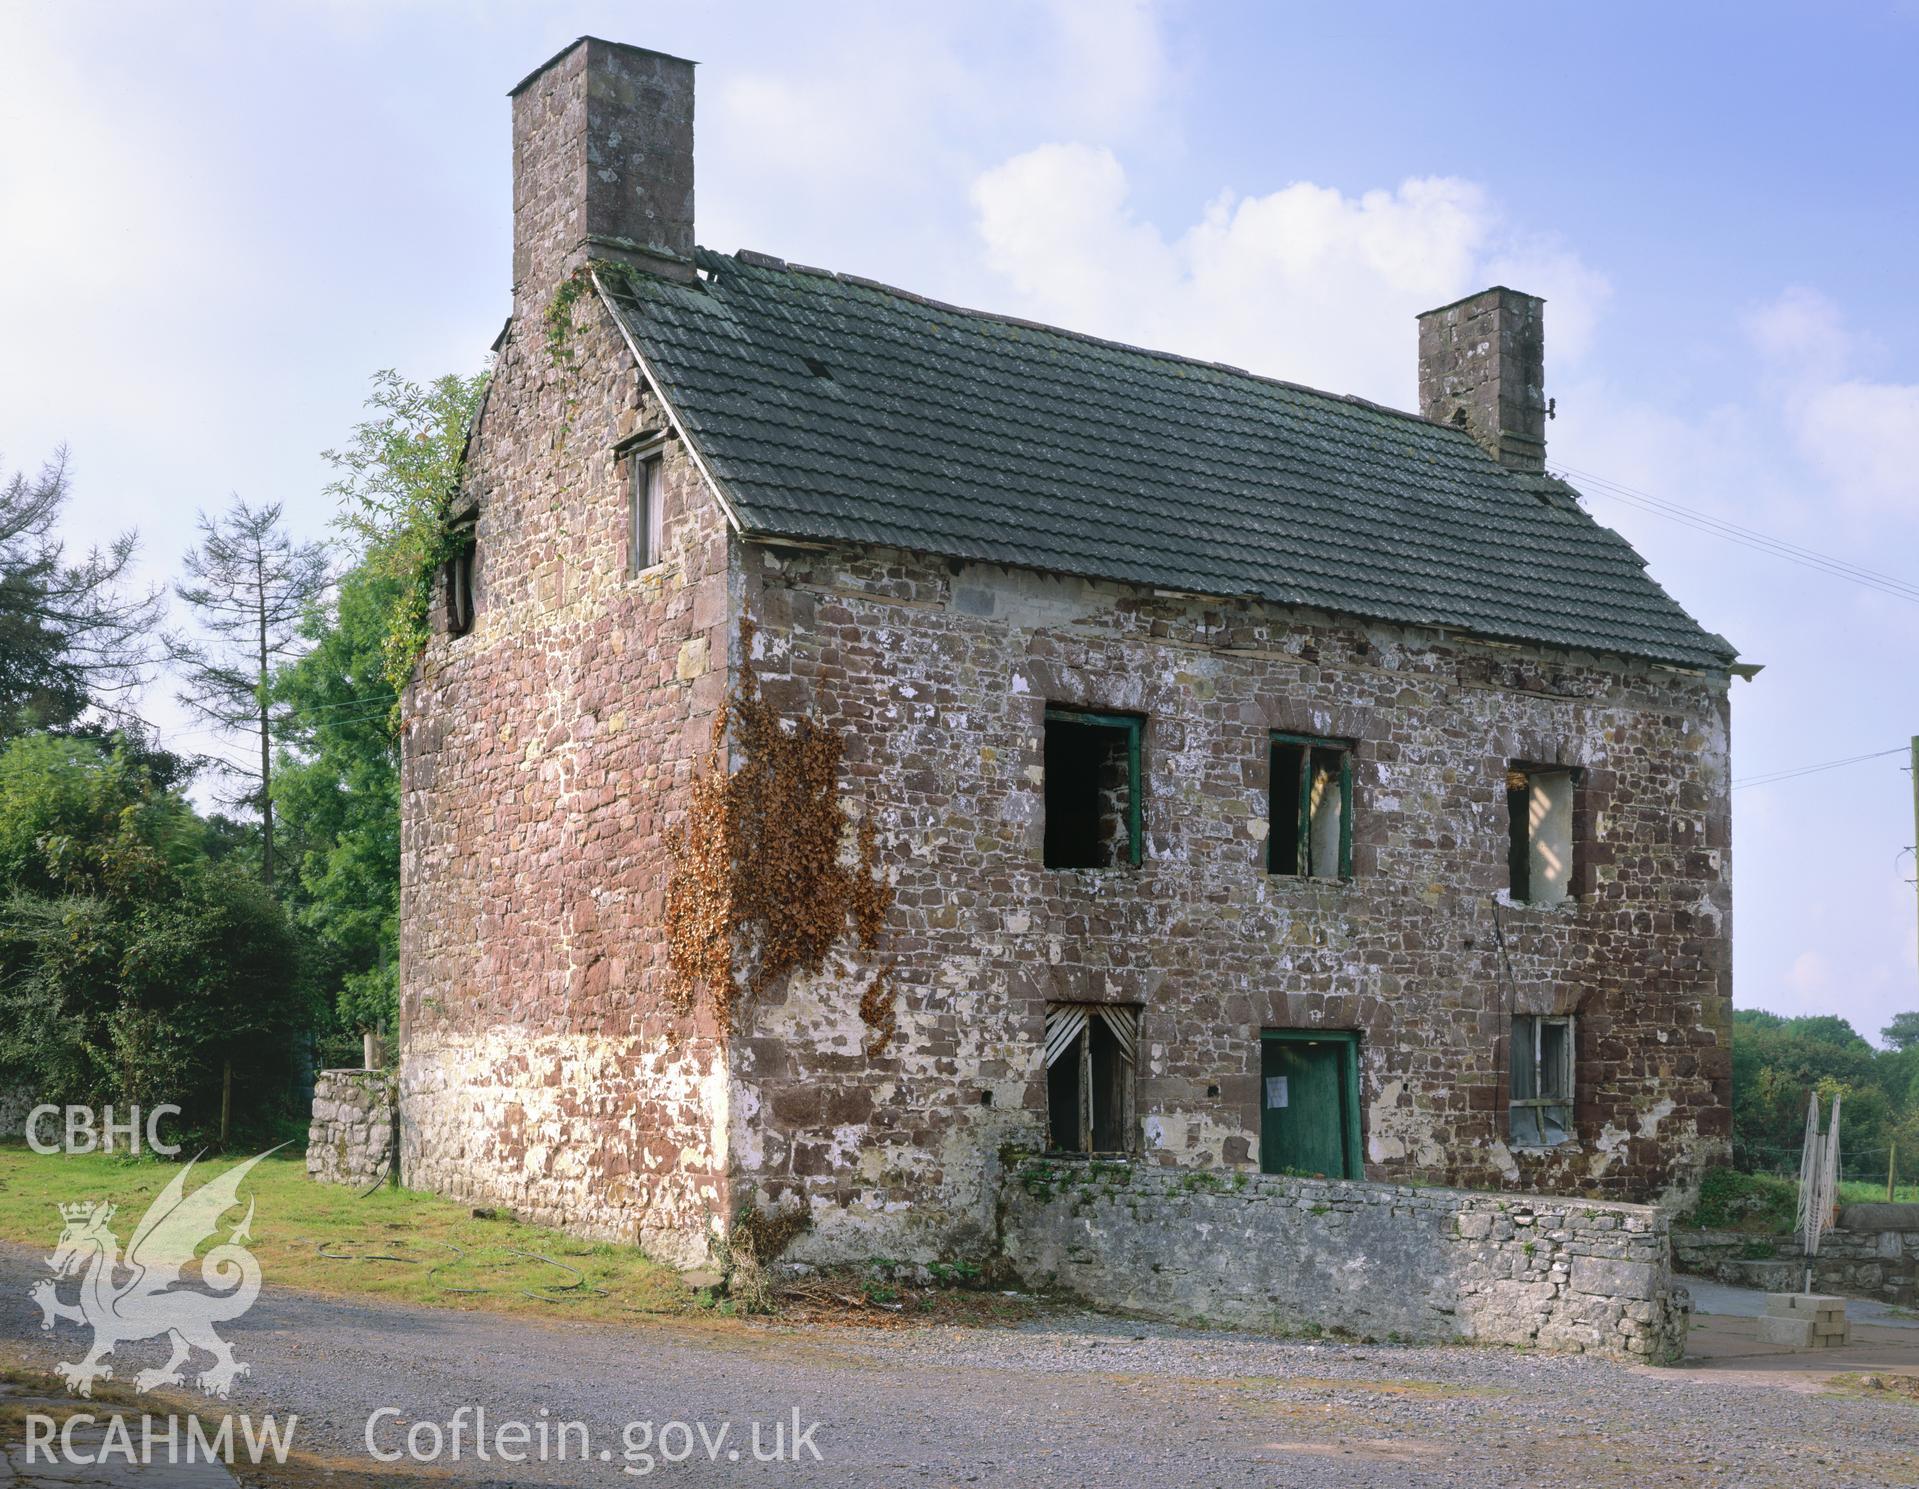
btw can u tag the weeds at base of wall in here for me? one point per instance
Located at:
(747, 1251)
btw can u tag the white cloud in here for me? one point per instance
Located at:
(1810, 975)
(1111, 59)
(1860, 438)
(1802, 334)
(1056, 223)
(858, 140)
(1863, 438)
(1306, 282)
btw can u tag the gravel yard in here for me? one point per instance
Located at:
(1069, 1399)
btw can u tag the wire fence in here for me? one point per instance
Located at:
(1860, 1166)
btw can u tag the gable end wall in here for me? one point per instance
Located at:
(545, 755)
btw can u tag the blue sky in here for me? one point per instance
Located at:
(217, 221)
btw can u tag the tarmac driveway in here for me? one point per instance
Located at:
(1074, 1399)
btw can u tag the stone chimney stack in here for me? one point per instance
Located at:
(1482, 366)
(602, 166)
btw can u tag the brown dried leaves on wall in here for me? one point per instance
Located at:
(758, 885)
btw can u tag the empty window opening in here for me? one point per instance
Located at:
(1089, 1077)
(462, 548)
(1542, 1082)
(1539, 813)
(1310, 831)
(646, 505)
(1092, 790)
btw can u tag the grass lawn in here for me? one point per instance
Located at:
(395, 1243)
(1864, 1191)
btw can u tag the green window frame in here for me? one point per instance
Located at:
(1132, 726)
(1312, 765)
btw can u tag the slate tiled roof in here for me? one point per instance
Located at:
(830, 407)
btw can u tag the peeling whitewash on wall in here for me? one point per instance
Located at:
(938, 674)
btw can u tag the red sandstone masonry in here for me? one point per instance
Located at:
(938, 675)
(546, 755)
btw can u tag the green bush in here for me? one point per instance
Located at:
(135, 968)
(1759, 1203)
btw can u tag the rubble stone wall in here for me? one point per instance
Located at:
(1381, 1261)
(1855, 1263)
(546, 756)
(350, 1140)
(937, 674)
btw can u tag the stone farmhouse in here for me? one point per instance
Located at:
(865, 738)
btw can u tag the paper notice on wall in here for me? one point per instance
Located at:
(1276, 1090)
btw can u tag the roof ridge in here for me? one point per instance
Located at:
(754, 259)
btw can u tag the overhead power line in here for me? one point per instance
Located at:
(1774, 777)
(1745, 537)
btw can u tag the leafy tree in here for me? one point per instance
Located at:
(338, 790)
(133, 968)
(1903, 1032)
(1778, 1062)
(71, 633)
(398, 478)
(249, 584)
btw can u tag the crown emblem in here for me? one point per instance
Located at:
(84, 1211)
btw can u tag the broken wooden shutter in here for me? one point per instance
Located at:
(1065, 1022)
(1123, 1023)
(1541, 1104)
(1090, 1106)
(1525, 1115)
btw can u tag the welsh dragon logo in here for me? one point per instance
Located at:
(141, 1297)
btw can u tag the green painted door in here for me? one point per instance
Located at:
(1308, 1119)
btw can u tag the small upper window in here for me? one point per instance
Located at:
(1092, 790)
(1542, 1082)
(645, 508)
(458, 575)
(1310, 831)
(1539, 813)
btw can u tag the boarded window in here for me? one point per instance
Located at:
(1089, 1077)
(645, 506)
(1092, 790)
(1310, 832)
(462, 549)
(1542, 1082)
(1539, 815)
